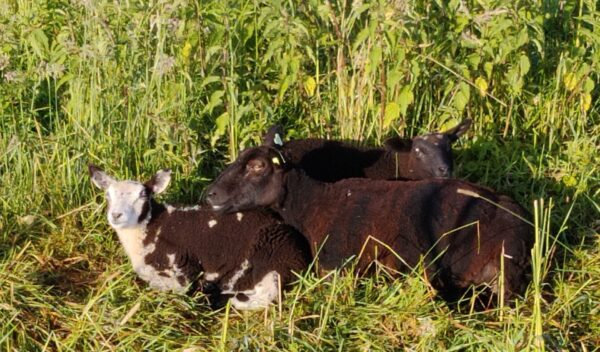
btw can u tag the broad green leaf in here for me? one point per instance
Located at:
(482, 84)
(524, 65)
(39, 43)
(488, 67)
(392, 112)
(221, 125)
(375, 56)
(588, 85)
(393, 77)
(461, 98)
(310, 85)
(586, 101)
(570, 81)
(215, 99)
(405, 98)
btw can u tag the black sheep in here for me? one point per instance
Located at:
(246, 256)
(461, 237)
(425, 156)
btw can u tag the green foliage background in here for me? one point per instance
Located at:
(135, 86)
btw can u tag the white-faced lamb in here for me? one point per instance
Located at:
(462, 238)
(423, 156)
(248, 256)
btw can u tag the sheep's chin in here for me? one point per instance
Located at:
(121, 224)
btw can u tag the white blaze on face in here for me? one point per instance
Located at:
(126, 201)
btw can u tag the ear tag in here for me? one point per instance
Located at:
(275, 160)
(277, 140)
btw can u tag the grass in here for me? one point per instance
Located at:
(137, 86)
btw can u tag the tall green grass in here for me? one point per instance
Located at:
(136, 86)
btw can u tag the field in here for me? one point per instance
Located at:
(135, 86)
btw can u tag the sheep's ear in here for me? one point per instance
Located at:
(273, 137)
(397, 144)
(159, 182)
(99, 177)
(460, 129)
(256, 166)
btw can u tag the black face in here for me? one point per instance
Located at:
(431, 155)
(254, 180)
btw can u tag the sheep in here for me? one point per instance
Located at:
(248, 256)
(461, 237)
(424, 156)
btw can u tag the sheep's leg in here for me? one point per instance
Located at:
(260, 296)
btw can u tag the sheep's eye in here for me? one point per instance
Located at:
(143, 194)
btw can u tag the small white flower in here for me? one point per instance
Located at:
(12, 76)
(164, 64)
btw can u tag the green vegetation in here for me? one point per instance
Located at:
(135, 86)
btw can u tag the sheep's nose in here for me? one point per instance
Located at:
(211, 195)
(116, 215)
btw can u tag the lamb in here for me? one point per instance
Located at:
(462, 238)
(248, 256)
(425, 156)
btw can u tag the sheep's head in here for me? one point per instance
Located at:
(430, 154)
(254, 180)
(128, 201)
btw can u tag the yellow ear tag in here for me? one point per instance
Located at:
(275, 160)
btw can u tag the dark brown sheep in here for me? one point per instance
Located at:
(425, 156)
(461, 237)
(245, 256)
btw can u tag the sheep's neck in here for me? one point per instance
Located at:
(297, 204)
(134, 239)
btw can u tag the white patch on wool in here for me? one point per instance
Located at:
(263, 293)
(212, 223)
(228, 288)
(211, 276)
(132, 240)
(171, 258)
(170, 208)
(349, 193)
(239, 216)
(190, 208)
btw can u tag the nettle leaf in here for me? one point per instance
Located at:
(221, 126)
(310, 85)
(215, 100)
(524, 64)
(39, 43)
(405, 98)
(482, 84)
(361, 37)
(488, 68)
(393, 77)
(522, 38)
(392, 112)
(375, 56)
(461, 98)
(474, 60)
(588, 85)
(514, 79)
